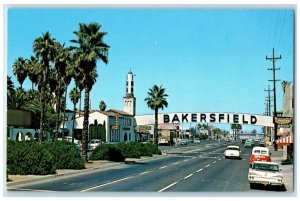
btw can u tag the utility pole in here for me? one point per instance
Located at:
(268, 108)
(273, 59)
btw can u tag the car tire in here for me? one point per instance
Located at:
(252, 186)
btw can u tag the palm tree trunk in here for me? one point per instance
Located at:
(57, 109)
(65, 106)
(85, 123)
(80, 104)
(156, 128)
(74, 110)
(43, 103)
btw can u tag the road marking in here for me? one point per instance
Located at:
(144, 173)
(207, 165)
(186, 160)
(112, 182)
(199, 170)
(219, 159)
(25, 189)
(214, 161)
(175, 163)
(162, 167)
(188, 176)
(167, 187)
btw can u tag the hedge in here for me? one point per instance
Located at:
(30, 157)
(120, 151)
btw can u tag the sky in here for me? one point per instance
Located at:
(208, 60)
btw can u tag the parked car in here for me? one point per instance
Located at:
(233, 151)
(183, 142)
(93, 144)
(76, 142)
(260, 154)
(248, 144)
(266, 173)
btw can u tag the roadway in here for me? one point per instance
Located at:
(187, 168)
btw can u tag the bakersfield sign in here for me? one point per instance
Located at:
(207, 117)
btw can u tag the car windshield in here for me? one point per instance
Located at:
(260, 152)
(268, 167)
(233, 148)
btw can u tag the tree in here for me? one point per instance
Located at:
(20, 70)
(235, 128)
(156, 100)
(74, 96)
(44, 49)
(102, 106)
(10, 92)
(91, 48)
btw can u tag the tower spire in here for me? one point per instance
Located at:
(129, 99)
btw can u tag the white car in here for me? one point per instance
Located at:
(233, 151)
(266, 173)
(93, 144)
(76, 142)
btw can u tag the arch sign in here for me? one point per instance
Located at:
(215, 117)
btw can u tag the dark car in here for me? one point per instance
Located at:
(262, 144)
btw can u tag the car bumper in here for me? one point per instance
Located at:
(265, 181)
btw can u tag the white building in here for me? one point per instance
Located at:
(112, 125)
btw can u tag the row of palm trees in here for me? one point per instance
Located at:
(53, 66)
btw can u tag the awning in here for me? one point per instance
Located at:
(285, 140)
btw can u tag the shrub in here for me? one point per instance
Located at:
(107, 152)
(66, 155)
(25, 158)
(120, 151)
(130, 149)
(30, 157)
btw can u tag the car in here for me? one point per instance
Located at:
(183, 142)
(76, 142)
(261, 144)
(233, 151)
(248, 144)
(197, 141)
(260, 154)
(266, 173)
(93, 144)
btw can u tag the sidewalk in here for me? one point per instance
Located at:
(287, 170)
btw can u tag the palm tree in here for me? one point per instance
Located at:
(20, 70)
(10, 86)
(156, 99)
(235, 128)
(34, 70)
(74, 96)
(102, 106)
(91, 48)
(44, 49)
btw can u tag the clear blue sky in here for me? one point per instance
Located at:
(208, 60)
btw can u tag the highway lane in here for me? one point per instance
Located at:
(175, 172)
(185, 176)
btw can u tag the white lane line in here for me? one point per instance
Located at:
(161, 190)
(207, 165)
(188, 176)
(25, 189)
(186, 160)
(162, 167)
(175, 163)
(219, 159)
(214, 161)
(144, 173)
(199, 170)
(112, 182)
